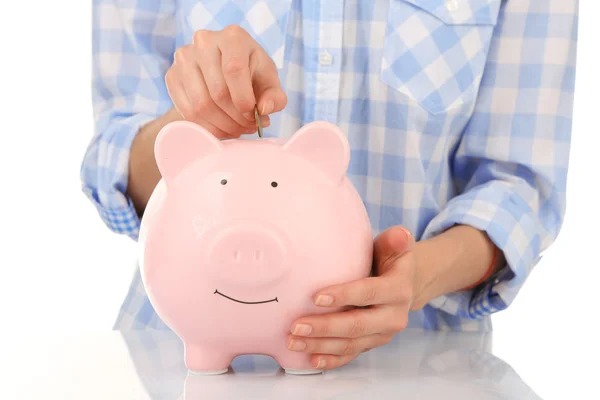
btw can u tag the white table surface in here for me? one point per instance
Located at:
(149, 365)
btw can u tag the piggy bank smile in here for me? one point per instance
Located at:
(245, 302)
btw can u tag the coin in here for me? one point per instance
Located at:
(258, 122)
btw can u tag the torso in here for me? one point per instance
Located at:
(373, 69)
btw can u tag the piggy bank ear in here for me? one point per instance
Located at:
(323, 144)
(179, 144)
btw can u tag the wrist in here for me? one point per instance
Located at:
(490, 271)
(143, 171)
(427, 275)
(452, 261)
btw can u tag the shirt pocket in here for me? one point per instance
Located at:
(266, 21)
(435, 51)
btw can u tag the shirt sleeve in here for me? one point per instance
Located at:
(133, 44)
(510, 166)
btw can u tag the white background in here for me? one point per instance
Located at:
(62, 270)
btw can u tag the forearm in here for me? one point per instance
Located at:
(143, 171)
(452, 261)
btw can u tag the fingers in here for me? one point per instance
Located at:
(250, 74)
(217, 132)
(217, 87)
(330, 353)
(392, 288)
(338, 346)
(190, 96)
(178, 94)
(235, 46)
(219, 79)
(334, 353)
(352, 324)
(328, 362)
(182, 104)
(270, 96)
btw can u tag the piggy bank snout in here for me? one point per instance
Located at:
(249, 254)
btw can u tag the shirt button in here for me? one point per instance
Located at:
(451, 5)
(325, 58)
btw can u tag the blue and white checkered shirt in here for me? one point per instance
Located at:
(457, 112)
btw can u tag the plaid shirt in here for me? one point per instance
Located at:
(457, 112)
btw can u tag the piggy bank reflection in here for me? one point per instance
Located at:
(239, 234)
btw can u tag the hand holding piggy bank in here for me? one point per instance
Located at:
(239, 234)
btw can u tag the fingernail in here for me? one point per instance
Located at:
(296, 345)
(250, 130)
(324, 300)
(320, 364)
(302, 330)
(267, 107)
(409, 235)
(249, 116)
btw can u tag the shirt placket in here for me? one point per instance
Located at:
(326, 61)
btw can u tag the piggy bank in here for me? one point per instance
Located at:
(238, 236)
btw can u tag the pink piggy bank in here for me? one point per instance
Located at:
(239, 235)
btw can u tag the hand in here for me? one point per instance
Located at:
(217, 79)
(337, 338)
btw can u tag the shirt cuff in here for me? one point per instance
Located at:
(122, 220)
(105, 173)
(512, 226)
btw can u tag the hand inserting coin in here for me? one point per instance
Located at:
(258, 121)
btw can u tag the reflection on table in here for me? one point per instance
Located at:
(416, 364)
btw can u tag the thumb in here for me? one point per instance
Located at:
(390, 245)
(270, 99)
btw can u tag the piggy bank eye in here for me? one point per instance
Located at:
(223, 181)
(274, 184)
